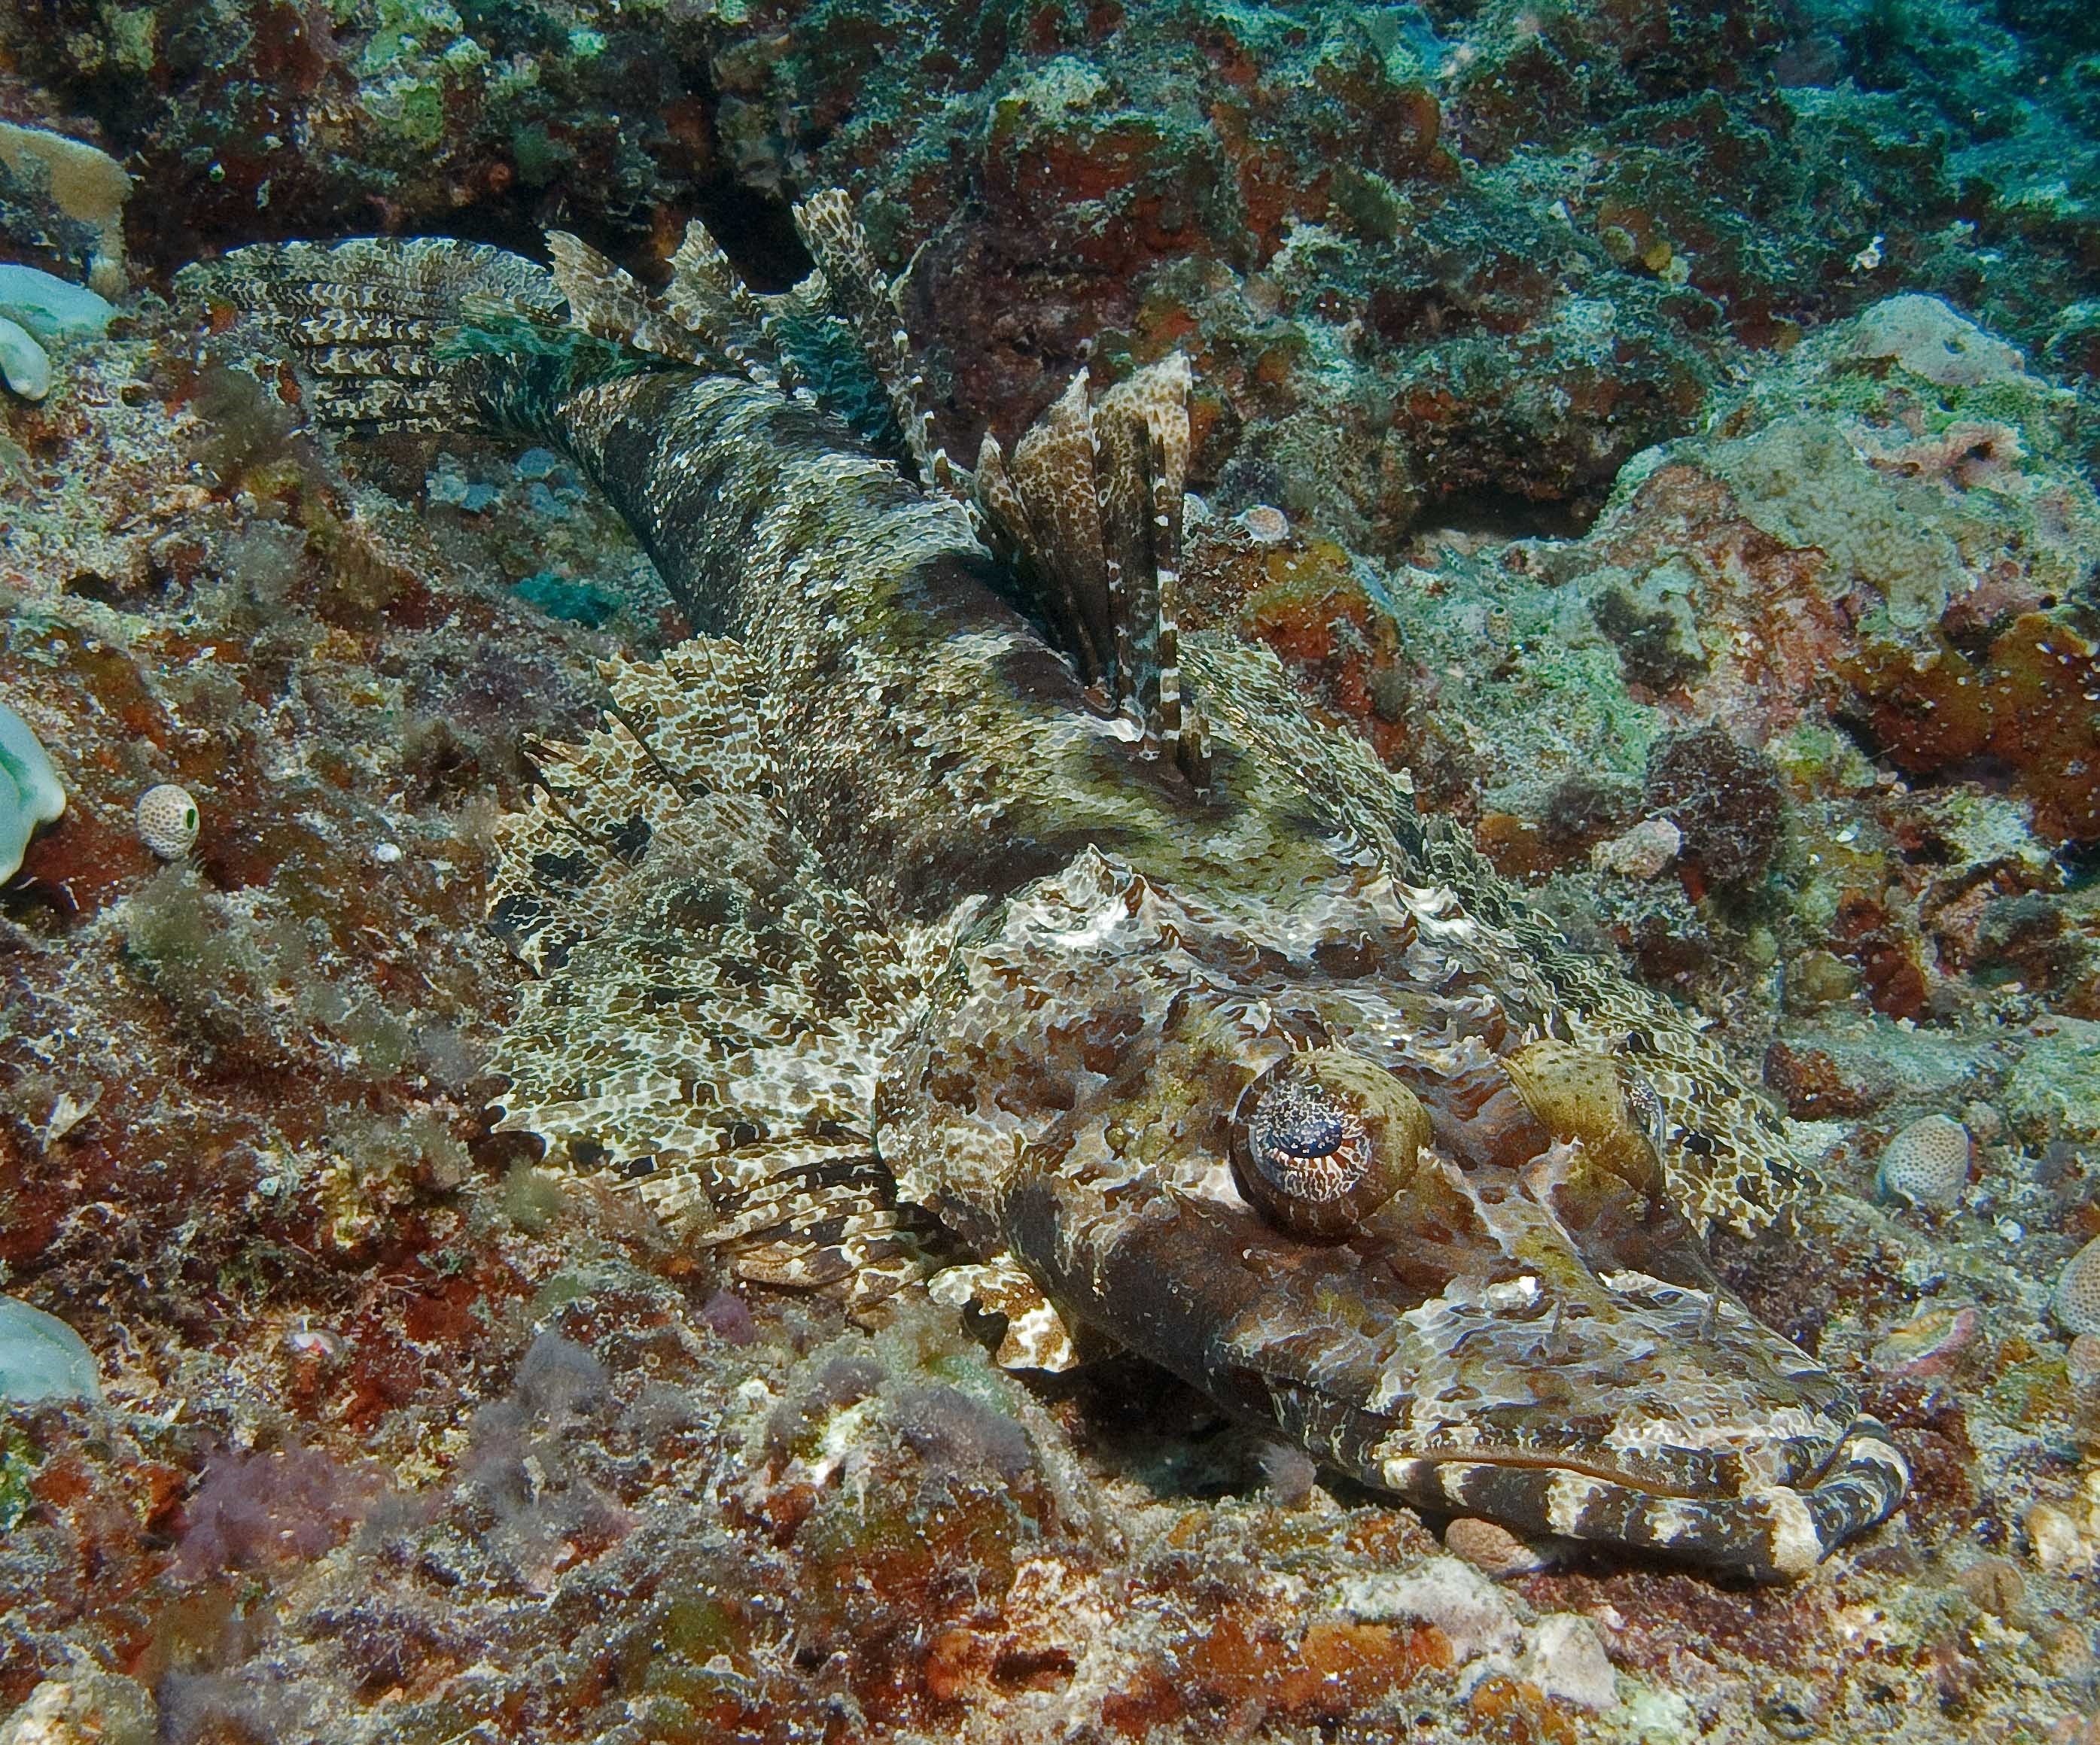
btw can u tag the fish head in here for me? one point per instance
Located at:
(1339, 1161)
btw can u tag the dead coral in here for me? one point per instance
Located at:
(1724, 797)
(208, 959)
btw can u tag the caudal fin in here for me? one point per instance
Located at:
(388, 334)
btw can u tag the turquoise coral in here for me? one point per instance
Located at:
(35, 308)
(29, 790)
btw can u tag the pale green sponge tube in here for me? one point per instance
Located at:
(29, 790)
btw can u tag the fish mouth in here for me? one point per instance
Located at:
(1681, 1428)
(1659, 1417)
(1774, 1533)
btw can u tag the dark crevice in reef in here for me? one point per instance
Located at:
(1504, 514)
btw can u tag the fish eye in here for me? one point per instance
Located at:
(1321, 1140)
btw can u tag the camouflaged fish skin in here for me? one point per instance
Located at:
(860, 925)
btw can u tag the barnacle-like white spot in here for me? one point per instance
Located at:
(1927, 1163)
(167, 818)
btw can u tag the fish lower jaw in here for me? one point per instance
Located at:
(1769, 1533)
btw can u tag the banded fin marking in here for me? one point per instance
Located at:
(607, 300)
(1769, 1533)
(364, 321)
(1088, 511)
(710, 1010)
(708, 296)
(860, 296)
(1036, 1337)
(1143, 423)
(819, 1222)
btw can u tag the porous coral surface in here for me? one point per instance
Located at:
(1674, 421)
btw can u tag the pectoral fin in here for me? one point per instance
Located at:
(1037, 1337)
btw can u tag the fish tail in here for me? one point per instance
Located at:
(423, 334)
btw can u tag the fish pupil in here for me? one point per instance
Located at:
(1307, 1144)
(1307, 1133)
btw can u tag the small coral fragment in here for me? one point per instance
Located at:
(36, 307)
(1566, 1657)
(51, 307)
(84, 184)
(1927, 1163)
(2076, 1303)
(1929, 1345)
(167, 819)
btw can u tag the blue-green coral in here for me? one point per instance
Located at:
(29, 790)
(35, 307)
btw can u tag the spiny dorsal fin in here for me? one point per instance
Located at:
(607, 300)
(863, 297)
(1057, 537)
(1143, 424)
(1088, 510)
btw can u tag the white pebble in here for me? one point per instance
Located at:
(2056, 1541)
(167, 818)
(387, 853)
(1927, 1163)
(2076, 1303)
(1566, 1657)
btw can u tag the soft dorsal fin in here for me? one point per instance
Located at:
(1088, 511)
(860, 294)
(708, 295)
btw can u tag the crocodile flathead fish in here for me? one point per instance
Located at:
(942, 917)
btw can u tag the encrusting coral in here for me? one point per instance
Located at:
(1927, 1162)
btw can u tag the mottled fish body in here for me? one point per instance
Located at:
(886, 923)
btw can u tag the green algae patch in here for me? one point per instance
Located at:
(18, 1466)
